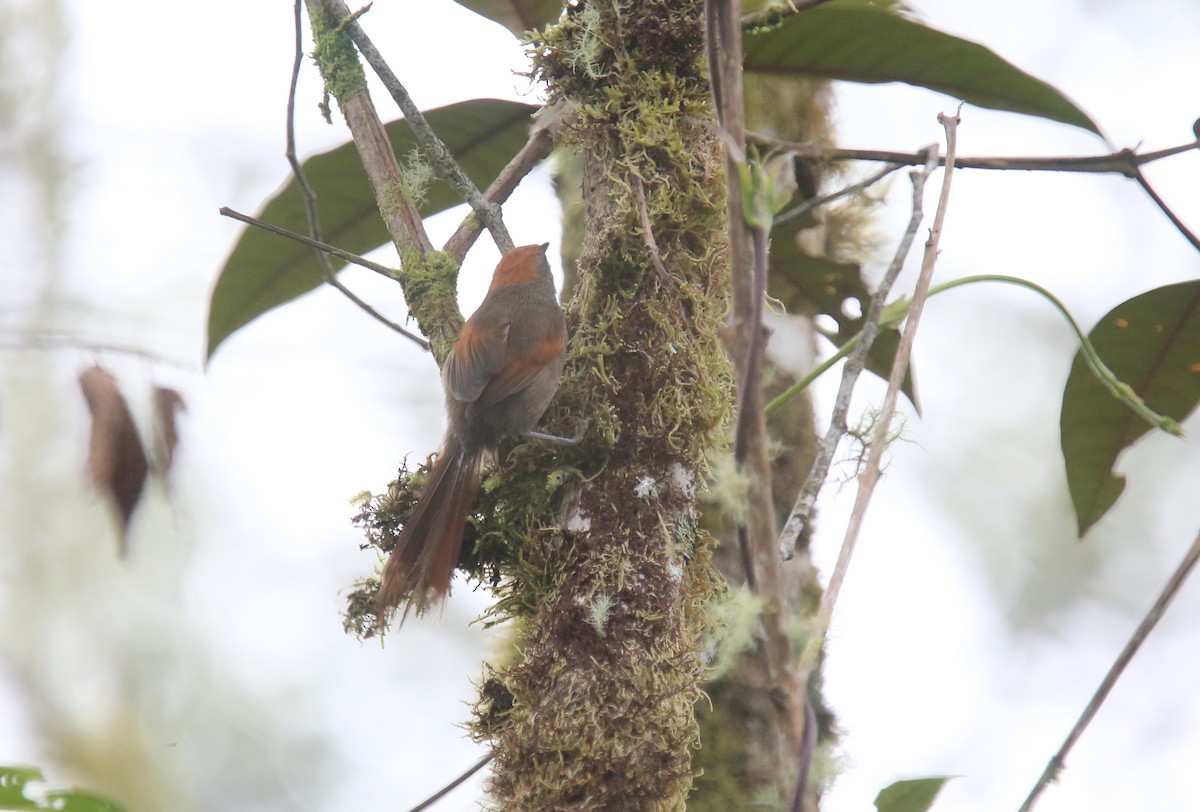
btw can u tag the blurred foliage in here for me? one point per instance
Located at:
(22, 788)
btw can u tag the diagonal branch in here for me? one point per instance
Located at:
(1058, 760)
(802, 509)
(816, 202)
(439, 154)
(446, 790)
(870, 474)
(324, 248)
(344, 79)
(1187, 233)
(309, 195)
(545, 130)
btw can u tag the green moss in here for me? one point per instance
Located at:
(430, 284)
(607, 570)
(335, 55)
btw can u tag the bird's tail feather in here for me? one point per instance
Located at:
(422, 563)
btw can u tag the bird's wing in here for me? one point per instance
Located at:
(476, 358)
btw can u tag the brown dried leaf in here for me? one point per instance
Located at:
(167, 404)
(116, 461)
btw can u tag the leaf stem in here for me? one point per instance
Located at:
(1118, 388)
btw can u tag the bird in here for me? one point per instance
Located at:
(499, 379)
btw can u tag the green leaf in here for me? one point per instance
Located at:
(864, 42)
(830, 286)
(518, 16)
(13, 781)
(912, 795)
(265, 270)
(74, 800)
(1151, 343)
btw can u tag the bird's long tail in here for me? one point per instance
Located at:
(422, 563)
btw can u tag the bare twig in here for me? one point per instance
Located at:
(1123, 162)
(24, 341)
(806, 757)
(353, 259)
(536, 149)
(1162, 205)
(390, 273)
(750, 378)
(446, 790)
(870, 474)
(648, 232)
(794, 527)
(439, 154)
(808, 205)
(309, 195)
(1055, 766)
(306, 190)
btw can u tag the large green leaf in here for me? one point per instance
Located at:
(865, 42)
(265, 271)
(1151, 343)
(518, 16)
(912, 795)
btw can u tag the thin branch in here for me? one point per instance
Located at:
(648, 232)
(1055, 766)
(1123, 162)
(379, 161)
(390, 273)
(353, 259)
(306, 190)
(870, 474)
(758, 529)
(49, 341)
(806, 757)
(796, 523)
(439, 154)
(536, 149)
(750, 378)
(774, 15)
(808, 205)
(446, 790)
(1162, 205)
(309, 195)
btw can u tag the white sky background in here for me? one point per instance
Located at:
(973, 627)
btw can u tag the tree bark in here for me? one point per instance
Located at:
(612, 599)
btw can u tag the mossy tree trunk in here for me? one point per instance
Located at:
(598, 711)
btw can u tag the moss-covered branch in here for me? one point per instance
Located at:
(429, 277)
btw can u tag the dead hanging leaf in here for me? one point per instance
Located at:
(116, 462)
(167, 405)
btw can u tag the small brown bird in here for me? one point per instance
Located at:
(499, 379)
